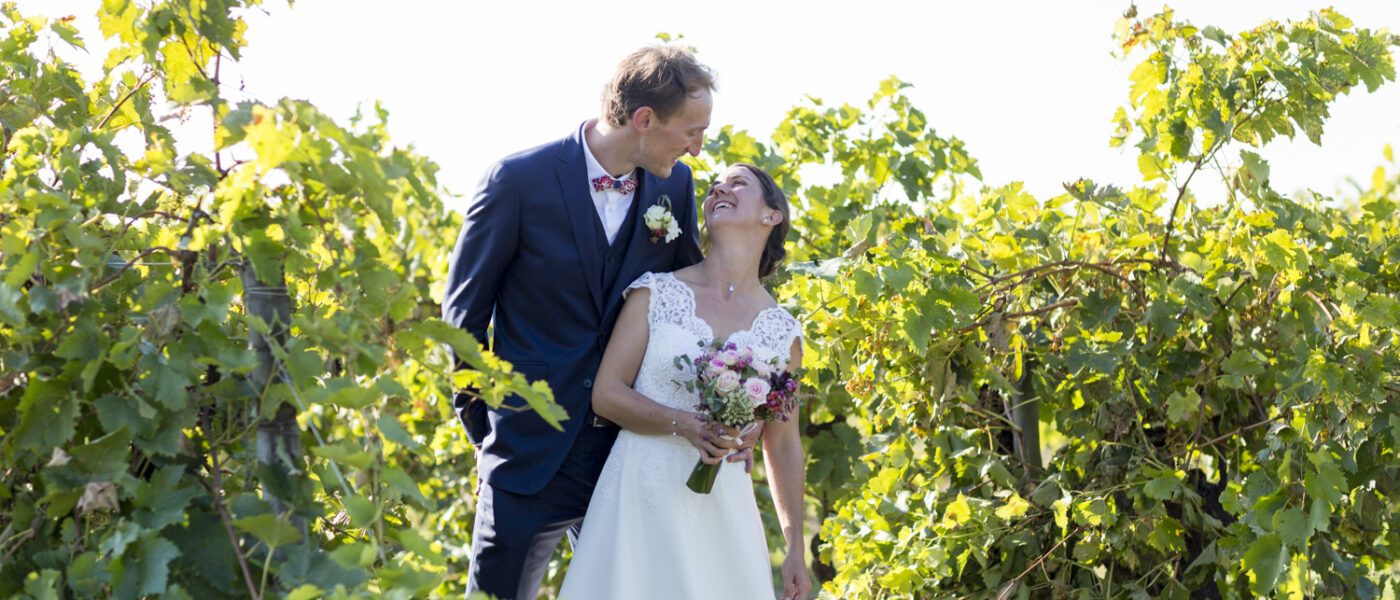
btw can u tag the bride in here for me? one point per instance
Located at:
(646, 535)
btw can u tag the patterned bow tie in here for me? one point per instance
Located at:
(605, 183)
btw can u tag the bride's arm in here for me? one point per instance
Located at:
(615, 400)
(787, 477)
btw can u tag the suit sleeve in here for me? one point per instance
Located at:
(689, 252)
(485, 248)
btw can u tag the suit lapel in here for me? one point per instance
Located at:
(573, 175)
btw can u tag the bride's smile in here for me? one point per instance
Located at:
(737, 194)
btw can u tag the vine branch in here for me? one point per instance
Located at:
(1180, 194)
(144, 80)
(1051, 268)
(1016, 315)
(1007, 590)
(1235, 433)
(223, 514)
(144, 253)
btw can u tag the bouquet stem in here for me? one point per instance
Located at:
(702, 477)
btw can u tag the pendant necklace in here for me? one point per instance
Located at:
(730, 289)
(731, 286)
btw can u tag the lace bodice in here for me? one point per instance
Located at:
(676, 330)
(664, 461)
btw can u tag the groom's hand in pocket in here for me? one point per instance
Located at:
(745, 454)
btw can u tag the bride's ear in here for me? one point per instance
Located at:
(773, 218)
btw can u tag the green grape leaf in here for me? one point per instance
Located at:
(400, 480)
(273, 531)
(362, 511)
(1292, 527)
(1265, 560)
(1182, 407)
(1164, 486)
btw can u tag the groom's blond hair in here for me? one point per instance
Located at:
(661, 77)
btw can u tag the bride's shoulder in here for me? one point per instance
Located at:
(688, 275)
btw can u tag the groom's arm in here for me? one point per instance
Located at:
(485, 247)
(484, 250)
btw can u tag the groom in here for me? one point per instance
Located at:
(552, 237)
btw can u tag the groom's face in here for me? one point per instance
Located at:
(662, 143)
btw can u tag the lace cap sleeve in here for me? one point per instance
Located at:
(792, 331)
(660, 303)
(670, 300)
(647, 280)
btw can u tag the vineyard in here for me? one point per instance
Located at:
(222, 374)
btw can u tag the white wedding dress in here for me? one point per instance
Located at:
(646, 535)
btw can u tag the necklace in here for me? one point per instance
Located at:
(730, 289)
(746, 281)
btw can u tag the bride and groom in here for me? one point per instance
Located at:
(583, 256)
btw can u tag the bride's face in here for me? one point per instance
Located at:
(736, 198)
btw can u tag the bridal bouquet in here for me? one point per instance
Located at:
(736, 390)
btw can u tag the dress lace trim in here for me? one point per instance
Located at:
(673, 302)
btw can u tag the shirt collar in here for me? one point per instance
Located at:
(595, 169)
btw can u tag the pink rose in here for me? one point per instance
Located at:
(714, 368)
(727, 381)
(757, 388)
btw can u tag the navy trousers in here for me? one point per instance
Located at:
(514, 535)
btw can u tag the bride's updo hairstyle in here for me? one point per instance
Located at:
(773, 251)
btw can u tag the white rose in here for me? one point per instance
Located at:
(761, 368)
(727, 381)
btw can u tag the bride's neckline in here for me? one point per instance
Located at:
(695, 313)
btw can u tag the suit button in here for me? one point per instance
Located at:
(610, 259)
(588, 384)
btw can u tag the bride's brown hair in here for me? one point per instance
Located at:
(774, 251)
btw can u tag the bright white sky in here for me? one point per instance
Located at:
(1030, 86)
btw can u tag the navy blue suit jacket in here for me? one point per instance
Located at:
(528, 258)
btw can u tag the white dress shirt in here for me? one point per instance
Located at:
(611, 204)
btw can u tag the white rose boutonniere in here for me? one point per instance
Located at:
(660, 222)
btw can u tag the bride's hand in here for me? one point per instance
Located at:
(714, 441)
(796, 583)
(748, 439)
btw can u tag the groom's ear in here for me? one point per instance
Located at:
(644, 118)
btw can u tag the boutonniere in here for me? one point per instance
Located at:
(661, 222)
